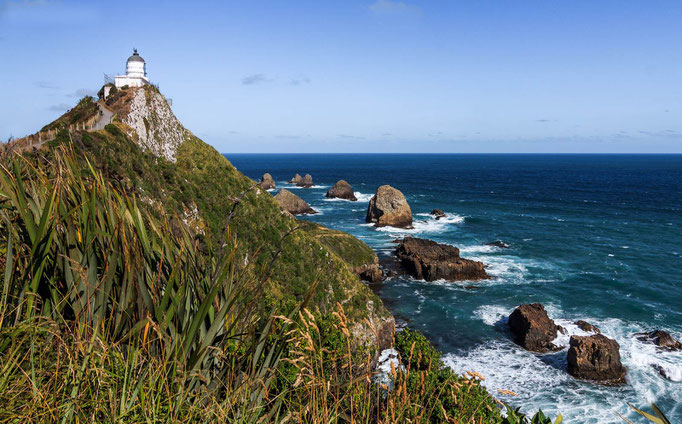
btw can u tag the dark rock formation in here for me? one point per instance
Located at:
(586, 326)
(306, 181)
(341, 190)
(428, 260)
(292, 203)
(660, 338)
(532, 328)
(267, 183)
(370, 272)
(438, 213)
(596, 358)
(389, 207)
(498, 243)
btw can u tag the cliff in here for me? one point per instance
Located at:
(146, 150)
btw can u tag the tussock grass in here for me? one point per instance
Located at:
(110, 314)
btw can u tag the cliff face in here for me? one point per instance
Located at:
(154, 125)
(147, 150)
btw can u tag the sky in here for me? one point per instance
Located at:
(449, 76)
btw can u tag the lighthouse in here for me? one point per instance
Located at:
(136, 72)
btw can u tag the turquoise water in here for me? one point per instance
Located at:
(593, 237)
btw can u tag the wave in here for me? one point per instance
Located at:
(295, 187)
(429, 225)
(541, 380)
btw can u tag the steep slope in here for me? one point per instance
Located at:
(174, 173)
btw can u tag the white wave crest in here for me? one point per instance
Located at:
(429, 225)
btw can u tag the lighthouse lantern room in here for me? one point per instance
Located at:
(136, 72)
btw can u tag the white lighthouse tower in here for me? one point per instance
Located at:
(136, 72)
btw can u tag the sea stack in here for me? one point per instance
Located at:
(430, 261)
(267, 183)
(305, 182)
(341, 190)
(388, 207)
(596, 358)
(292, 203)
(532, 328)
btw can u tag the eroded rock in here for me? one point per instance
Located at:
(596, 358)
(428, 260)
(533, 329)
(341, 190)
(388, 207)
(267, 183)
(292, 203)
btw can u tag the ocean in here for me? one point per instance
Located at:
(592, 237)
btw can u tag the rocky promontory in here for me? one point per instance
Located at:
(388, 207)
(292, 203)
(267, 183)
(305, 182)
(533, 329)
(341, 190)
(596, 358)
(428, 260)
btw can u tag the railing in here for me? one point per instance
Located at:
(41, 137)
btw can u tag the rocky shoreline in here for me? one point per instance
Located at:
(592, 357)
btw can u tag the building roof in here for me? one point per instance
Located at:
(135, 57)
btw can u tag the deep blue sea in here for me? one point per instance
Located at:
(593, 237)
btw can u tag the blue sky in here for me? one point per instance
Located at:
(365, 75)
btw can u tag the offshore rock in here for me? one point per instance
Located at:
(587, 327)
(438, 213)
(660, 338)
(596, 358)
(341, 190)
(428, 260)
(388, 207)
(498, 243)
(292, 203)
(305, 182)
(533, 329)
(267, 183)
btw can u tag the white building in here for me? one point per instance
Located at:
(136, 73)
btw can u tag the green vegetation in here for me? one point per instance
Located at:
(137, 289)
(84, 110)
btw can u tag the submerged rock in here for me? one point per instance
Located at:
(498, 243)
(660, 338)
(341, 190)
(388, 207)
(586, 326)
(438, 213)
(596, 358)
(292, 203)
(533, 329)
(267, 183)
(428, 260)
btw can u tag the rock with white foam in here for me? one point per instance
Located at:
(661, 339)
(533, 329)
(387, 364)
(341, 190)
(596, 358)
(388, 207)
(427, 260)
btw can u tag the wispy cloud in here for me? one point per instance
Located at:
(353, 137)
(300, 81)
(543, 121)
(46, 85)
(385, 7)
(255, 79)
(61, 107)
(82, 92)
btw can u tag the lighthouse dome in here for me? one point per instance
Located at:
(135, 57)
(136, 66)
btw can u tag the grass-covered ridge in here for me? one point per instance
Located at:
(138, 289)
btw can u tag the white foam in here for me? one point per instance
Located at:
(541, 381)
(362, 197)
(429, 225)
